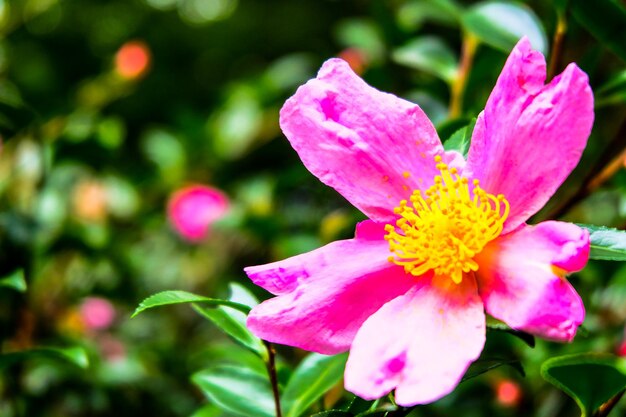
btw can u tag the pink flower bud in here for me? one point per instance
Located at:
(191, 210)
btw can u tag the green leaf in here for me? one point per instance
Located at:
(333, 413)
(15, 281)
(527, 338)
(461, 139)
(75, 355)
(208, 410)
(612, 92)
(178, 297)
(315, 375)
(359, 405)
(429, 54)
(233, 323)
(412, 15)
(482, 366)
(237, 124)
(501, 24)
(591, 379)
(240, 294)
(237, 390)
(606, 243)
(605, 20)
(362, 34)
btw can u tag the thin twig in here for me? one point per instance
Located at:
(271, 370)
(470, 44)
(557, 44)
(606, 408)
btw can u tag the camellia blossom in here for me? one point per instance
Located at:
(446, 239)
(192, 210)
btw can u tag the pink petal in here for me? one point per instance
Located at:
(420, 343)
(361, 141)
(521, 279)
(530, 135)
(325, 295)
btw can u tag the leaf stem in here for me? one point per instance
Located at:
(606, 408)
(457, 89)
(557, 44)
(271, 370)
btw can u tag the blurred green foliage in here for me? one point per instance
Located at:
(90, 155)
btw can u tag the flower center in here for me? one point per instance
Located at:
(445, 227)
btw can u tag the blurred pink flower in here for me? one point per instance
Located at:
(132, 60)
(112, 349)
(192, 210)
(621, 351)
(447, 237)
(97, 313)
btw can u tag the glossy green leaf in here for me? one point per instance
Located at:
(429, 54)
(501, 24)
(208, 410)
(606, 243)
(179, 297)
(315, 375)
(238, 390)
(240, 294)
(233, 323)
(333, 413)
(15, 281)
(461, 139)
(527, 338)
(359, 405)
(224, 352)
(612, 92)
(75, 355)
(591, 379)
(605, 20)
(482, 366)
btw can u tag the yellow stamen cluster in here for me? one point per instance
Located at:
(444, 227)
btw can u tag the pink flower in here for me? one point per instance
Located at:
(192, 210)
(446, 240)
(97, 313)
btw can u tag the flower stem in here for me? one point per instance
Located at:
(557, 44)
(606, 408)
(271, 370)
(457, 89)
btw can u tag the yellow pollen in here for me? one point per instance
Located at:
(444, 227)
